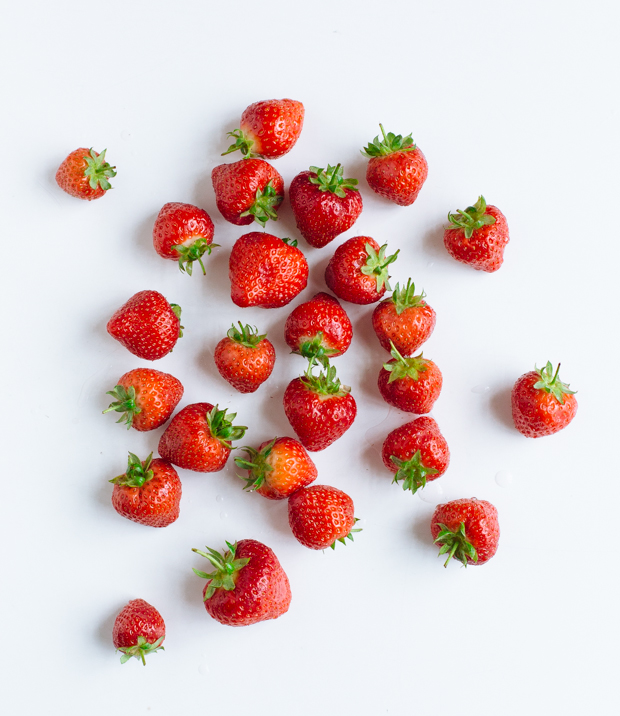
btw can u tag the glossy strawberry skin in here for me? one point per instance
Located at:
(412, 396)
(319, 515)
(344, 276)
(71, 178)
(137, 618)
(480, 520)
(321, 314)
(245, 368)
(398, 176)
(179, 223)
(274, 125)
(157, 395)
(537, 413)
(484, 251)
(421, 434)
(407, 331)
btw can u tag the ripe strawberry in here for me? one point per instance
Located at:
(148, 493)
(478, 236)
(410, 384)
(266, 271)
(244, 358)
(467, 530)
(320, 516)
(84, 174)
(138, 630)
(146, 398)
(268, 129)
(147, 325)
(397, 168)
(541, 403)
(358, 270)
(324, 203)
(403, 320)
(248, 190)
(247, 586)
(417, 452)
(278, 468)
(319, 408)
(183, 233)
(199, 438)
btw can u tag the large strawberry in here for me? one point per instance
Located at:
(410, 384)
(247, 586)
(325, 204)
(85, 174)
(138, 630)
(266, 271)
(244, 358)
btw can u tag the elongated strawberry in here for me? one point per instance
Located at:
(466, 530)
(410, 384)
(244, 358)
(138, 630)
(85, 174)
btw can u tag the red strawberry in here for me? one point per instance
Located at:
(324, 203)
(467, 530)
(183, 233)
(244, 358)
(417, 452)
(247, 586)
(84, 174)
(148, 493)
(278, 468)
(268, 129)
(541, 403)
(319, 408)
(147, 325)
(199, 438)
(358, 270)
(138, 630)
(146, 398)
(478, 236)
(410, 384)
(403, 320)
(397, 168)
(266, 271)
(320, 516)
(248, 190)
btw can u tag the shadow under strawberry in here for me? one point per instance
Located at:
(501, 407)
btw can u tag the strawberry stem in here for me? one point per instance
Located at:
(472, 219)
(391, 143)
(405, 367)
(377, 265)
(226, 569)
(412, 472)
(98, 170)
(405, 298)
(222, 428)
(256, 465)
(140, 649)
(125, 403)
(550, 382)
(245, 335)
(332, 180)
(264, 206)
(346, 537)
(195, 252)
(137, 474)
(242, 143)
(455, 544)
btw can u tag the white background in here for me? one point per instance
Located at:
(515, 100)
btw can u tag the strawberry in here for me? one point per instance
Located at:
(183, 233)
(199, 438)
(410, 384)
(268, 129)
(247, 586)
(84, 174)
(244, 358)
(138, 630)
(541, 403)
(146, 398)
(320, 516)
(147, 325)
(266, 271)
(324, 203)
(403, 320)
(417, 452)
(466, 530)
(248, 190)
(477, 236)
(278, 468)
(319, 408)
(148, 493)
(397, 169)
(358, 270)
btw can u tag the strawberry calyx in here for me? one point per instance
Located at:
(346, 537)
(264, 205)
(256, 465)
(550, 382)
(455, 544)
(125, 403)
(332, 180)
(245, 335)
(412, 472)
(377, 265)
(176, 309)
(140, 649)
(290, 242)
(325, 383)
(405, 367)
(226, 569)
(98, 170)
(390, 144)
(194, 252)
(404, 298)
(242, 143)
(315, 351)
(472, 219)
(222, 428)
(137, 474)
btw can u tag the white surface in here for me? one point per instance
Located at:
(514, 100)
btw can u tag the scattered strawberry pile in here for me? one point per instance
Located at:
(248, 584)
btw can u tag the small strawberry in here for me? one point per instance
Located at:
(410, 384)
(324, 203)
(148, 493)
(403, 320)
(138, 630)
(244, 358)
(266, 271)
(358, 270)
(417, 452)
(248, 190)
(199, 438)
(84, 174)
(397, 168)
(541, 403)
(477, 236)
(466, 530)
(268, 129)
(320, 516)
(183, 233)
(247, 586)
(146, 398)
(147, 325)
